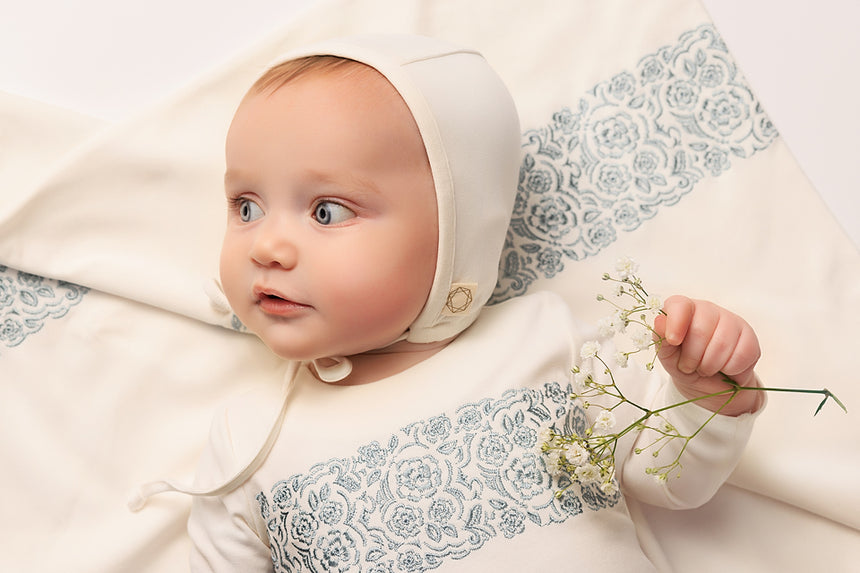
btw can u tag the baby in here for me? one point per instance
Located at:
(370, 182)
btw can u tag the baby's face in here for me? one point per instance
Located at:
(332, 230)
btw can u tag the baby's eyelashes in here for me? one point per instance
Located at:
(247, 209)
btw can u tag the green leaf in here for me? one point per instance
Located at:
(820, 406)
(828, 395)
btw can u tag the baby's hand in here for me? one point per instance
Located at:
(703, 340)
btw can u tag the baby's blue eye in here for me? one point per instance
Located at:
(330, 213)
(249, 211)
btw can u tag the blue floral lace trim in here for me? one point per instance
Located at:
(28, 301)
(438, 490)
(633, 144)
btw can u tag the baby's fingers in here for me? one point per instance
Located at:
(674, 325)
(721, 345)
(745, 353)
(697, 353)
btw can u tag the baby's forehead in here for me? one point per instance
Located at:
(333, 101)
(346, 83)
(336, 71)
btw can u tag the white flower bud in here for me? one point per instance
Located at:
(589, 349)
(626, 267)
(605, 421)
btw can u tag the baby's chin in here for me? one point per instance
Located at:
(289, 354)
(293, 350)
(293, 353)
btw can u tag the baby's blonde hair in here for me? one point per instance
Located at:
(281, 74)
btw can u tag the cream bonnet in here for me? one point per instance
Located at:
(469, 125)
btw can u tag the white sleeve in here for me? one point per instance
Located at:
(227, 535)
(708, 459)
(706, 463)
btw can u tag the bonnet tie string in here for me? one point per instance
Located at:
(137, 500)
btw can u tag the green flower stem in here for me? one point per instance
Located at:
(611, 441)
(735, 388)
(823, 391)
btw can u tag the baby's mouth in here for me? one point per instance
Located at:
(275, 303)
(266, 293)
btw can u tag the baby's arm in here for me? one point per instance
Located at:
(223, 531)
(702, 342)
(222, 539)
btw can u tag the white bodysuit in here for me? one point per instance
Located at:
(438, 467)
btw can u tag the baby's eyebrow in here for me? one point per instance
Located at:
(348, 180)
(231, 176)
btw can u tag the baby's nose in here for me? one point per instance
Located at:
(272, 246)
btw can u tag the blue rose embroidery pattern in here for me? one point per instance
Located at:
(634, 143)
(438, 490)
(28, 301)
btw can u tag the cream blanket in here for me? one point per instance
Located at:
(641, 137)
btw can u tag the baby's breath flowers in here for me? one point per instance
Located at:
(588, 457)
